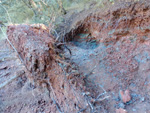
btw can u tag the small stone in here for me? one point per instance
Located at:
(117, 99)
(121, 105)
(134, 110)
(142, 99)
(125, 96)
(121, 110)
(86, 93)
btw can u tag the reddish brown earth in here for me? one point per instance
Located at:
(111, 49)
(44, 84)
(108, 70)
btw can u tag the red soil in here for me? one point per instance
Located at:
(109, 72)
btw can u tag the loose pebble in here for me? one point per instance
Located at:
(121, 110)
(125, 96)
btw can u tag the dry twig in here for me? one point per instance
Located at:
(55, 98)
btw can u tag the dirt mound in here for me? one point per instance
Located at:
(46, 72)
(34, 44)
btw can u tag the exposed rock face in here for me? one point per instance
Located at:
(34, 44)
